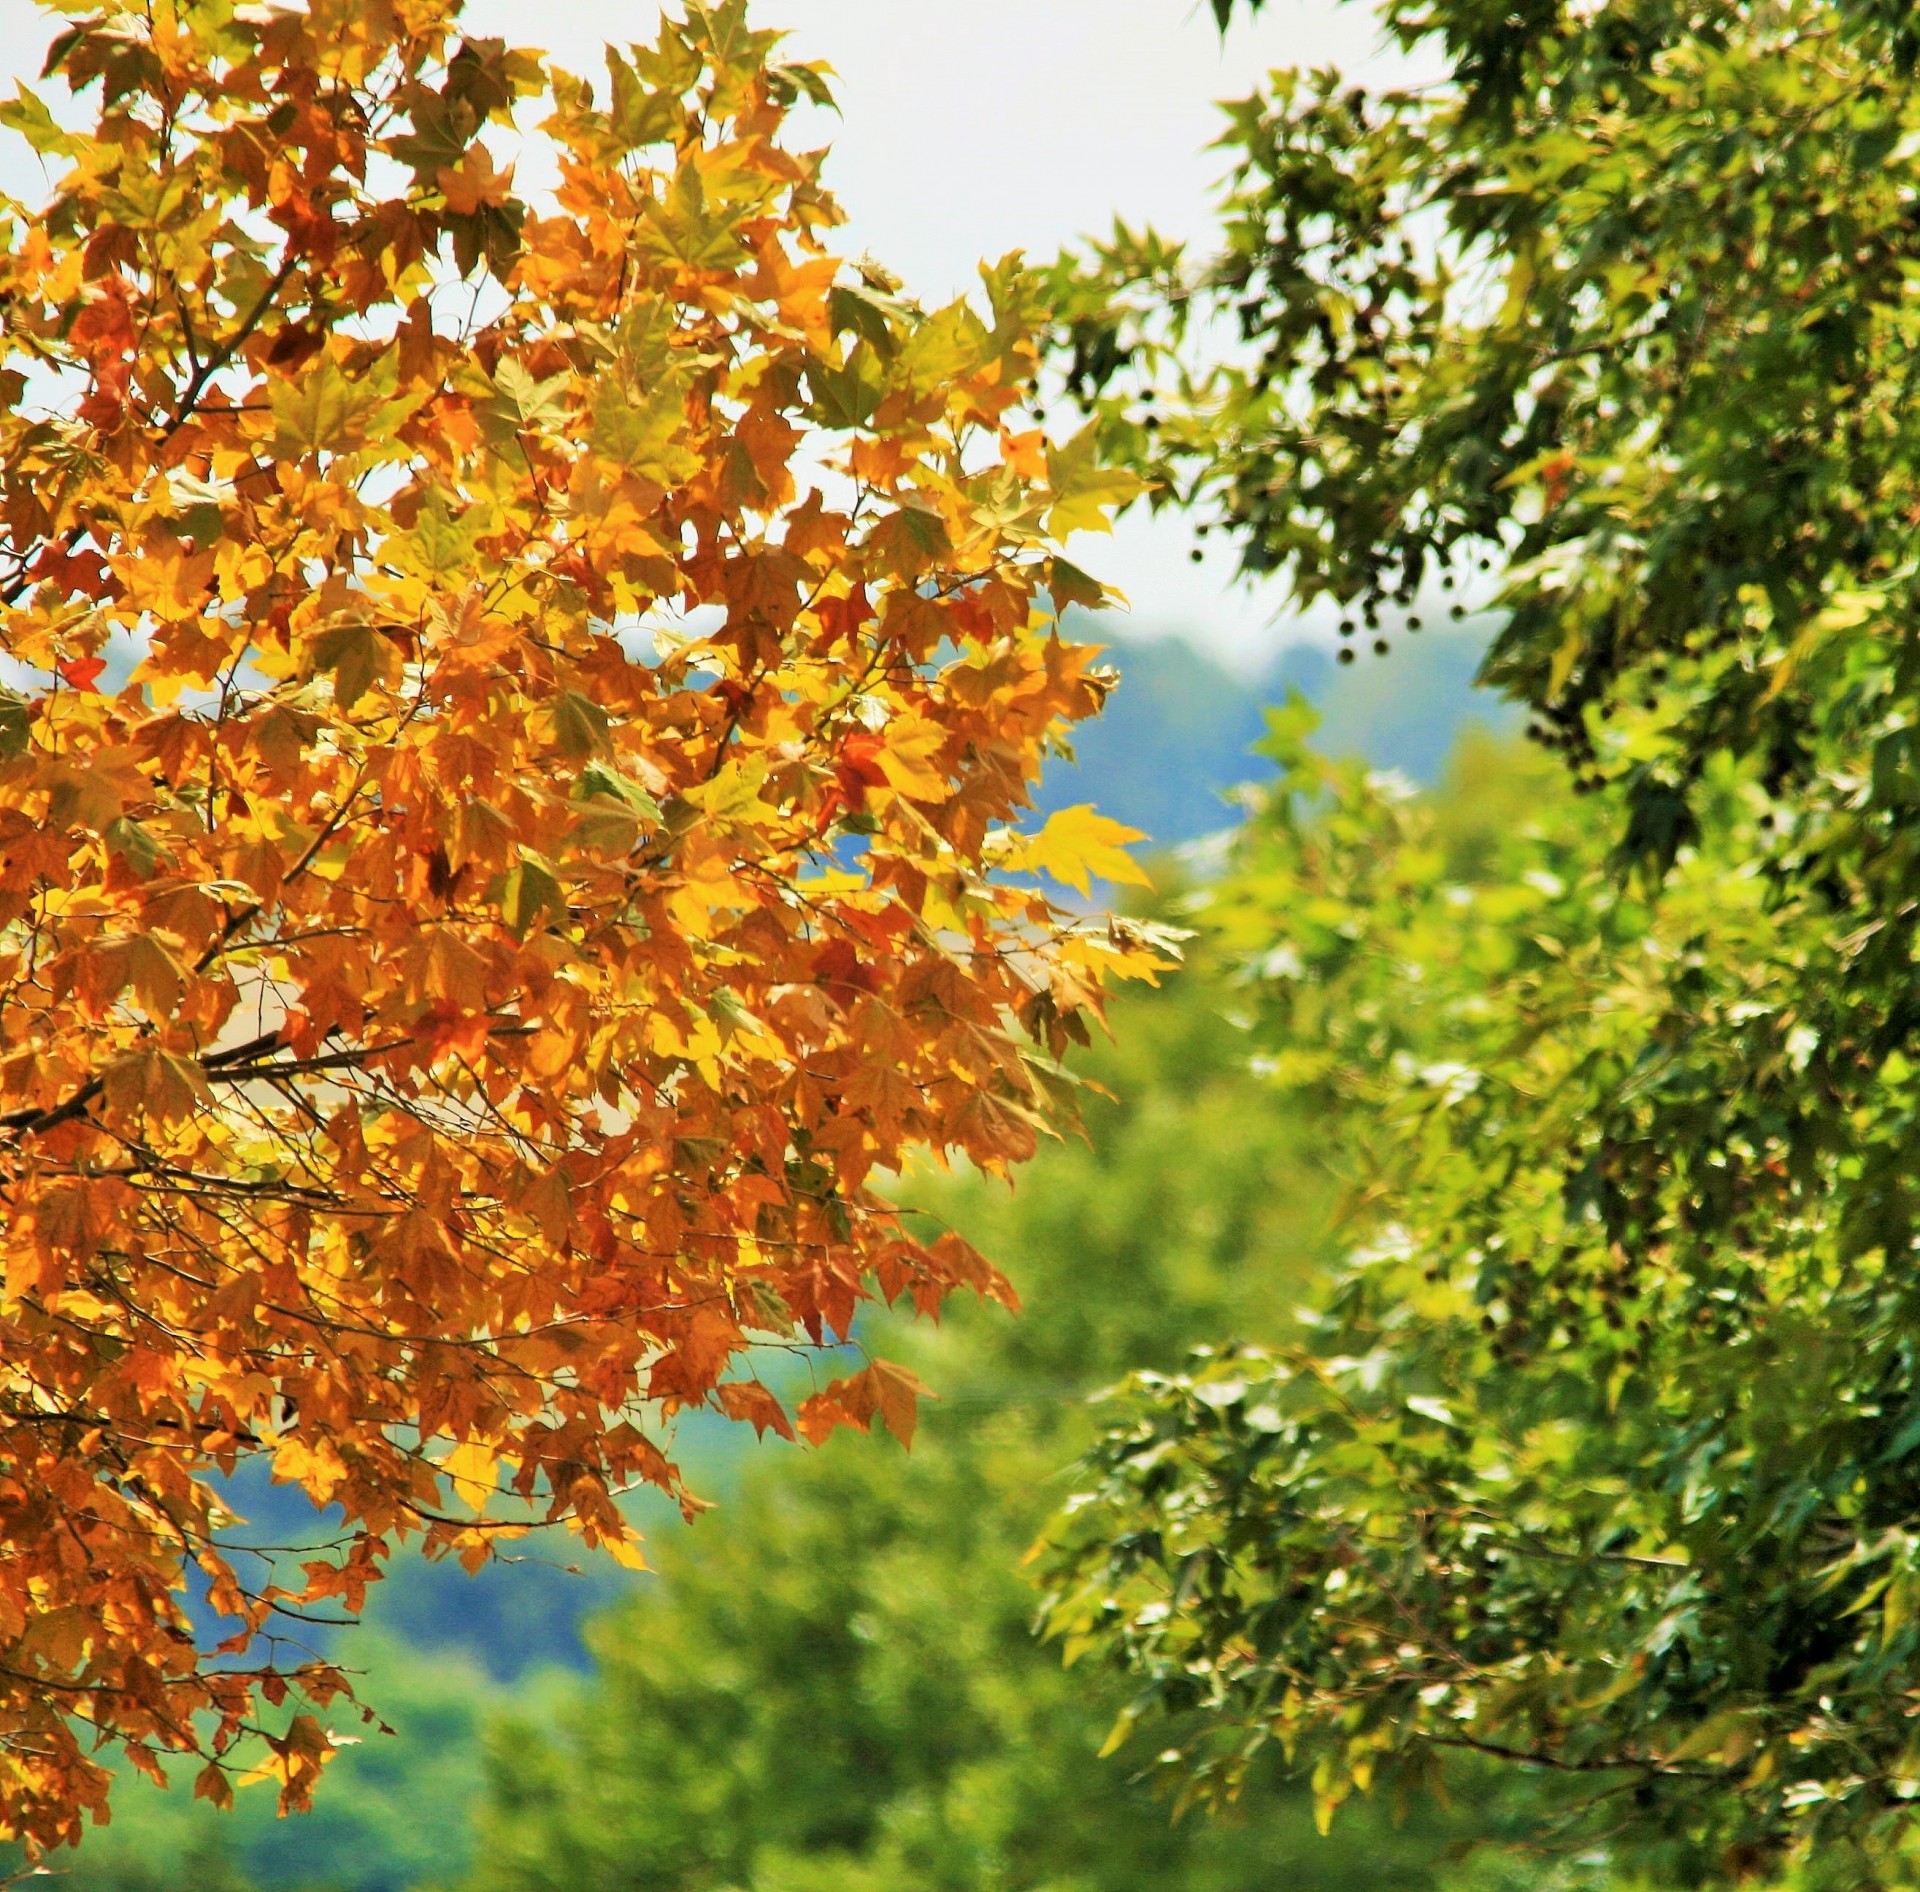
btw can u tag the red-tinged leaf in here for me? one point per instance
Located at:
(899, 1393)
(748, 1400)
(82, 673)
(211, 1783)
(851, 1401)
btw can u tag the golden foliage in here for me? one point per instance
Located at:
(552, 847)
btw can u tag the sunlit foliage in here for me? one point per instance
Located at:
(519, 713)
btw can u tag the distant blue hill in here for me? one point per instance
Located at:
(1177, 734)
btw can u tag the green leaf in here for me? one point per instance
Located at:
(522, 405)
(323, 411)
(357, 655)
(802, 79)
(16, 726)
(529, 894)
(846, 397)
(1068, 585)
(580, 726)
(646, 436)
(600, 778)
(877, 319)
(641, 115)
(439, 547)
(27, 114)
(134, 845)
(1085, 486)
(911, 540)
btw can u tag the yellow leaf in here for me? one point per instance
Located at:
(474, 182)
(1085, 490)
(170, 584)
(440, 547)
(626, 1552)
(471, 1469)
(1077, 844)
(324, 411)
(908, 758)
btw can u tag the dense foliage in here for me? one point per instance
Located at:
(1605, 1456)
(556, 840)
(394, 1813)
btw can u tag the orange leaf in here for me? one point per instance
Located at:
(83, 673)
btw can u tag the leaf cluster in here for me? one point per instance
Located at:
(509, 819)
(833, 1681)
(1599, 1453)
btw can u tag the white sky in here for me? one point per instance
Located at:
(974, 127)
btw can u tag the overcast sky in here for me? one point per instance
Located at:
(974, 127)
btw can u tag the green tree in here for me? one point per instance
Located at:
(835, 1682)
(1604, 1455)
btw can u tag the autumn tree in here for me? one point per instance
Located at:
(518, 716)
(1601, 1459)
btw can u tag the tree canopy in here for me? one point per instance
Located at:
(1602, 1454)
(518, 716)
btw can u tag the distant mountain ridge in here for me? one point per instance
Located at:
(1177, 734)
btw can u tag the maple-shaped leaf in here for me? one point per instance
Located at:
(522, 404)
(357, 655)
(899, 1393)
(16, 724)
(1086, 489)
(580, 726)
(27, 113)
(439, 546)
(1077, 845)
(756, 1404)
(908, 754)
(912, 540)
(474, 182)
(646, 436)
(324, 411)
(530, 893)
(83, 673)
